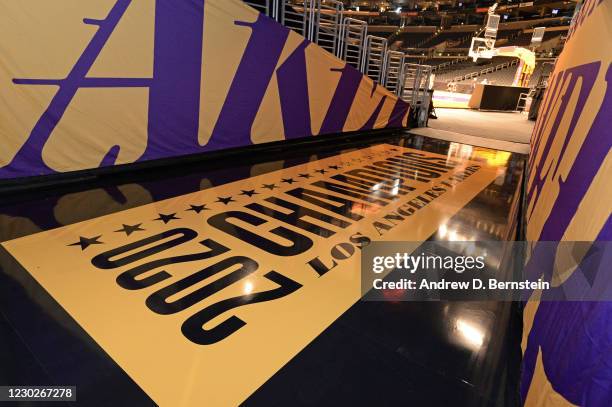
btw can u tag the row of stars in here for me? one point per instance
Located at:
(85, 242)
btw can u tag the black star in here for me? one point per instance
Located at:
(269, 186)
(129, 229)
(225, 200)
(334, 167)
(198, 208)
(288, 180)
(85, 242)
(167, 218)
(249, 192)
(305, 176)
(321, 171)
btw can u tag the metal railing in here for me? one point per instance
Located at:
(439, 67)
(394, 71)
(263, 6)
(375, 53)
(415, 83)
(415, 89)
(352, 39)
(292, 16)
(521, 104)
(323, 22)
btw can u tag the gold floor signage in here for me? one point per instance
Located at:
(203, 297)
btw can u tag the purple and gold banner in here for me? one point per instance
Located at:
(108, 82)
(567, 345)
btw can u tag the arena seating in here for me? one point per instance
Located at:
(458, 65)
(383, 34)
(542, 68)
(503, 76)
(524, 38)
(452, 37)
(414, 39)
(463, 39)
(468, 66)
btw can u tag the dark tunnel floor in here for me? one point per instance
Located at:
(375, 353)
